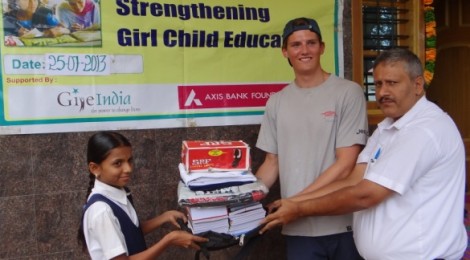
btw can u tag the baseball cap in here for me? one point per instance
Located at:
(301, 24)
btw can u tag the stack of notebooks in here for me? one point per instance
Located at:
(230, 219)
(202, 219)
(218, 189)
(245, 217)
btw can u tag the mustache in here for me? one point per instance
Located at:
(386, 99)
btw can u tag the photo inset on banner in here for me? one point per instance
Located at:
(52, 23)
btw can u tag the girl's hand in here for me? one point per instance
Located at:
(185, 239)
(172, 217)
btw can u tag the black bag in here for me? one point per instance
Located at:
(218, 241)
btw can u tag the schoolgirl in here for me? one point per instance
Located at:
(110, 228)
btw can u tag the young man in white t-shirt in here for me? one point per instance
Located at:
(312, 133)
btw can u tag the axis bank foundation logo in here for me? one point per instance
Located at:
(226, 96)
(105, 101)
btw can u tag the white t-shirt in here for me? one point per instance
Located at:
(304, 126)
(421, 158)
(103, 234)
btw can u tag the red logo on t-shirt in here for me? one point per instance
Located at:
(329, 114)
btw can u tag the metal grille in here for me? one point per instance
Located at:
(384, 27)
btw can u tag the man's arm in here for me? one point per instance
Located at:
(268, 172)
(364, 195)
(361, 196)
(341, 168)
(352, 179)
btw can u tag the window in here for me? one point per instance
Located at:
(385, 24)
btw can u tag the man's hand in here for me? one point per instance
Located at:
(281, 212)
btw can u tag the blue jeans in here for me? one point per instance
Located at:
(332, 247)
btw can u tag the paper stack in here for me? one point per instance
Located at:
(244, 218)
(214, 180)
(234, 220)
(202, 219)
(218, 188)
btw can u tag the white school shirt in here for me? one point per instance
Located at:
(103, 234)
